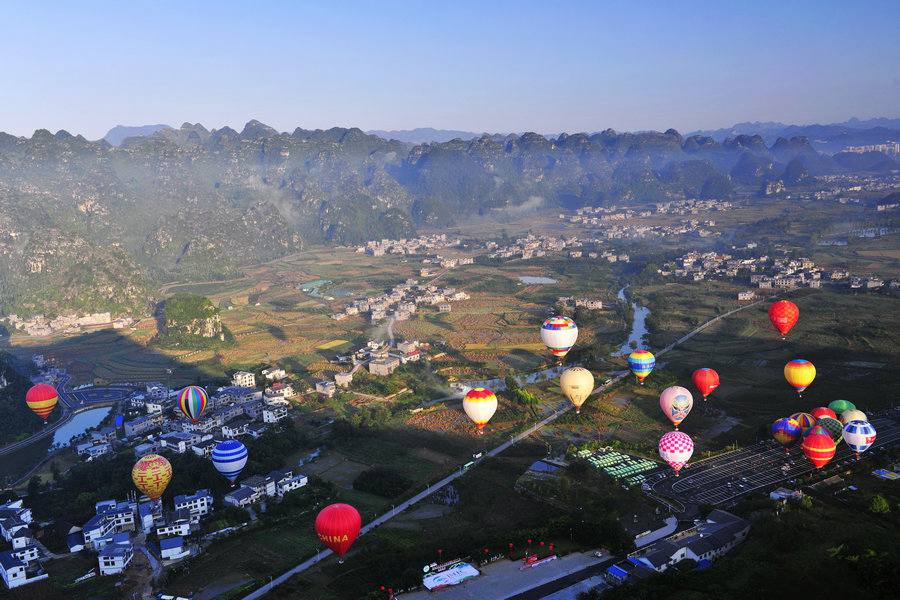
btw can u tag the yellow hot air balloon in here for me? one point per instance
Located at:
(480, 405)
(577, 384)
(799, 374)
(151, 475)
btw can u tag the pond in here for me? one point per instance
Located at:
(529, 280)
(79, 424)
(638, 327)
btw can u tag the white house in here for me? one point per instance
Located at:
(178, 523)
(198, 504)
(273, 414)
(173, 548)
(274, 373)
(114, 558)
(244, 379)
(289, 485)
(16, 573)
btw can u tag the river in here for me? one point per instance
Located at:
(79, 424)
(638, 326)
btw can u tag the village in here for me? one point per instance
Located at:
(42, 326)
(765, 272)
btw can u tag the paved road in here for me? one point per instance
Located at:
(723, 479)
(566, 581)
(556, 412)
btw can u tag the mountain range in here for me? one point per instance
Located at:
(89, 225)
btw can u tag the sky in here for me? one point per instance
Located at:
(480, 65)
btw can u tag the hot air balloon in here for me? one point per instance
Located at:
(192, 401)
(818, 447)
(641, 362)
(799, 374)
(784, 315)
(786, 431)
(229, 458)
(559, 335)
(859, 435)
(676, 402)
(676, 448)
(151, 475)
(853, 415)
(480, 405)
(42, 399)
(822, 411)
(337, 525)
(706, 380)
(834, 427)
(805, 420)
(839, 406)
(577, 384)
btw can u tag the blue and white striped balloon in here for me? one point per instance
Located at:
(859, 435)
(229, 458)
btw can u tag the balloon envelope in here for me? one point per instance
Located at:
(337, 525)
(818, 447)
(676, 448)
(676, 402)
(839, 406)
(786, 431)
(706, 380)
(834, 427)
(641, 363)
(799, 373)
(229, 458)
(151, 475)
(783, 315)
(822, 411)
(577, 384)
(853, 415)
(42, 399)
(805, 420)
(480, 405)
(559, 335)
(859, 435)
(192, 401)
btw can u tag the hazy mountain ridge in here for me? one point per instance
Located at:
(831, 137)
(196, 203)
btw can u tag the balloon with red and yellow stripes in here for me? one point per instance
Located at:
(480, 405)
(42, 399)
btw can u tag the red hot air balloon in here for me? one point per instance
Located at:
(784, 315)
(41, 399)
(706, 380)
(337, 525)
(822, 411)
(818, 446)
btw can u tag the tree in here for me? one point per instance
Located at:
(879, 505)
(526, 399)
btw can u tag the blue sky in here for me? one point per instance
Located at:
(476, 65)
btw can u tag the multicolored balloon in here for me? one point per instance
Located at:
(480, 405)
(822, 411)
(818, 447)
(192, 402)
(337, 525)
(576, 383)
(641, 363)
(853, 415)
(676, 448)
(559, 334)
(229, 458)
(151, 475)
(805, 420)
(799, 374)
(786, 431)
(859, 435)
(839, 406)
(706, 380)
(41, 399)
(676, 403)
(834, 427)
(783, 315)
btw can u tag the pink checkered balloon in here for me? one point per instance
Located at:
(676, 448)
